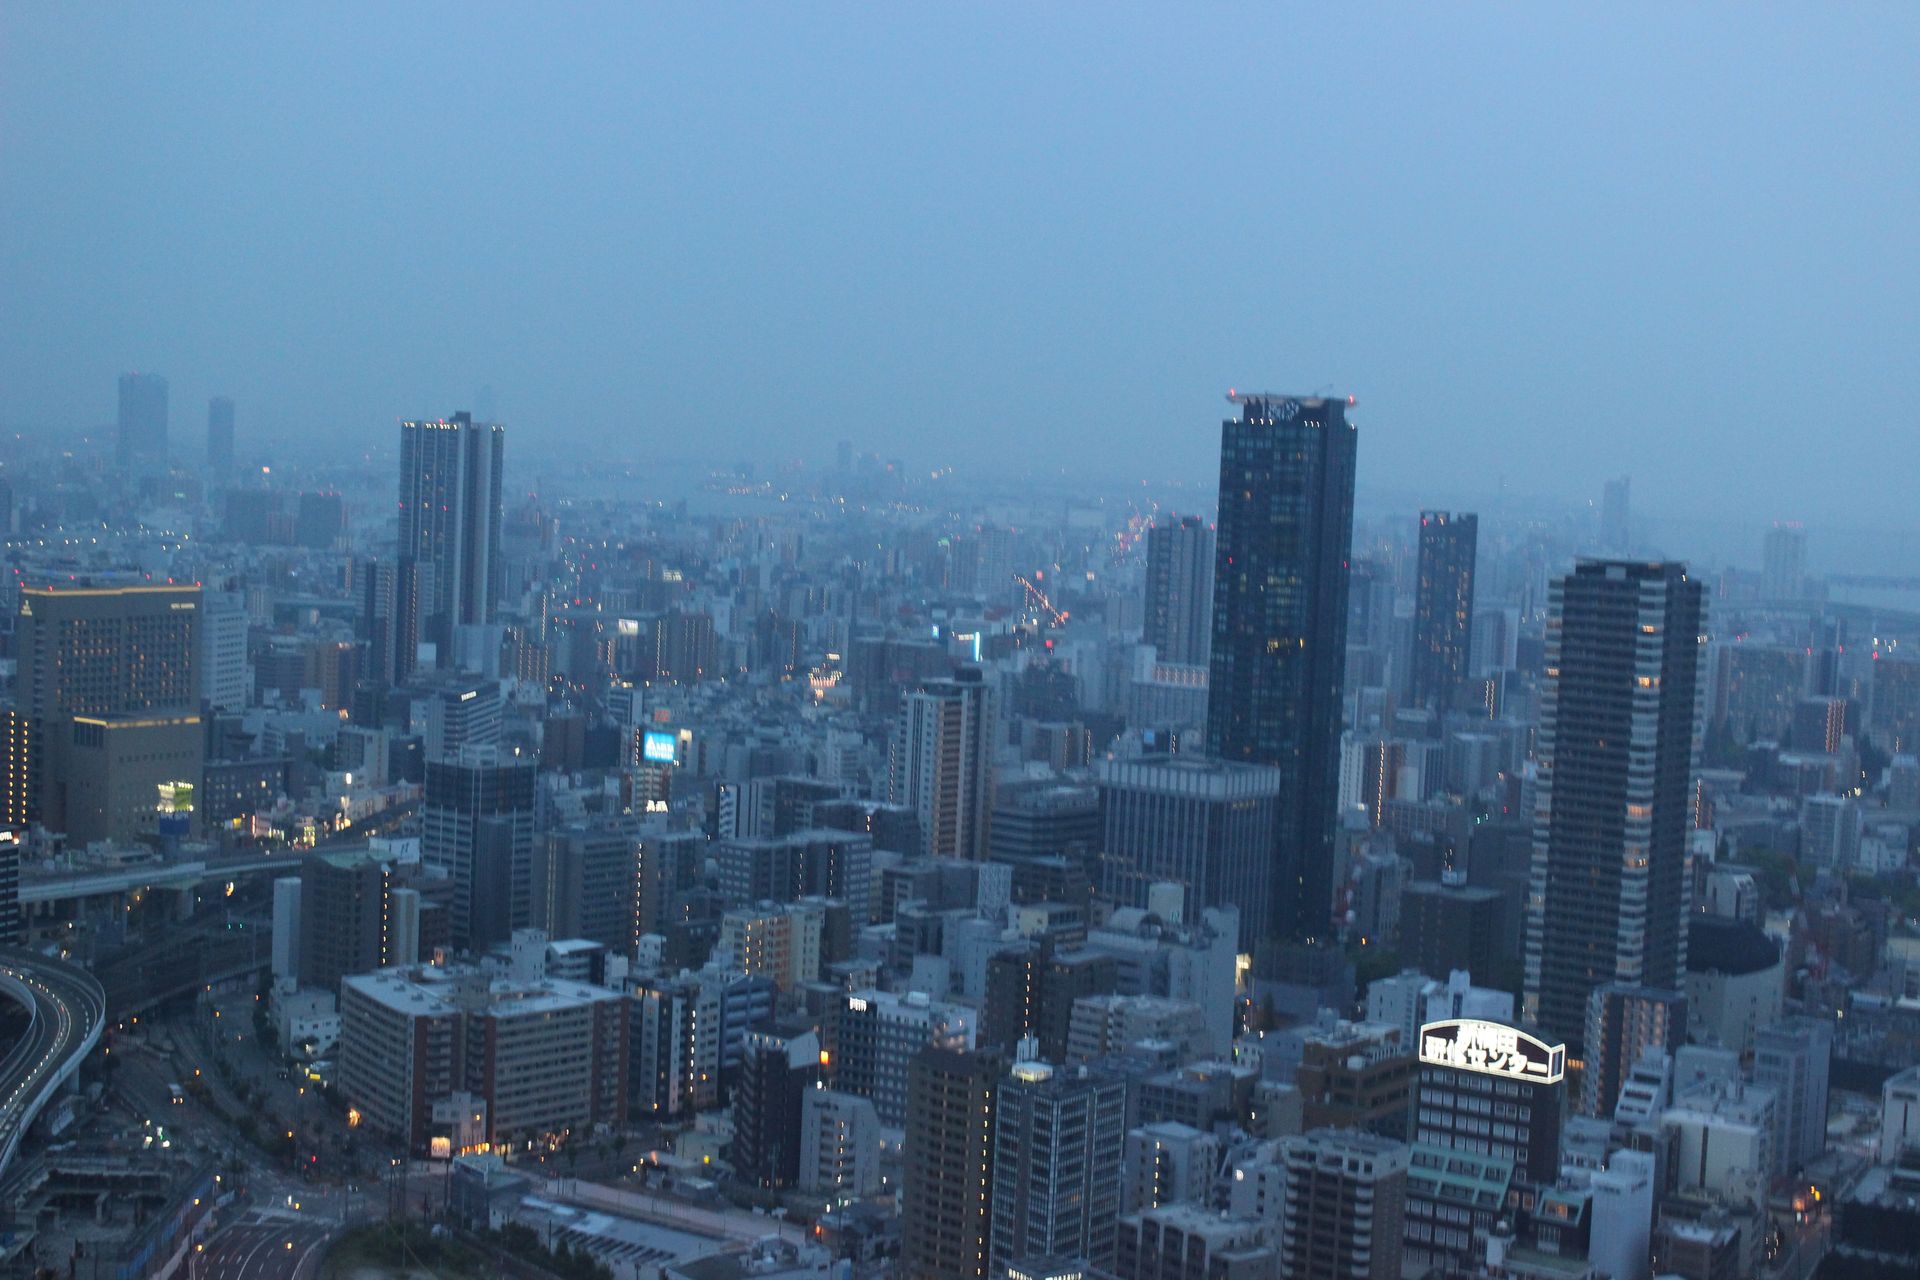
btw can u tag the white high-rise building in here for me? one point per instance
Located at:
(878, 1035)
(1723, 1133)
(1411, 1000)
(224, 677)
(1623, 1216)
(839, 1144)
(286, 931)
(1783, 562)
(1794, 1058)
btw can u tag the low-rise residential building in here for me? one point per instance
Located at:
(545, 1060)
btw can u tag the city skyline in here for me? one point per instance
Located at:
(1511, 285)
(720, 697)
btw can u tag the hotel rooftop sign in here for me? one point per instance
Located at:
(1492, 1048)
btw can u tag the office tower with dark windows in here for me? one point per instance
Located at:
(585, 880)
(346, 917)
(320, 523)
(1443, 604)
(1821, 725)
(1447, 924)
(1280, 629)
(941, 764)
(391, 599)
(140, 441)
(778, 1069)
(109, 686)
(1045, 819)
(825, 864)
(947, 1188)
(450, 517)
(476, 825)
(1486, 1135)
(1206, 825)
(1895, 694)
(1344, 1204)
(1059, 1141)
(1180, 591)
(1607, 891)
(1471, 1069)
(220, 436)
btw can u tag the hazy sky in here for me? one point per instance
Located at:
(1676, 241)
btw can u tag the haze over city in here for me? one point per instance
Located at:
(1538, 244)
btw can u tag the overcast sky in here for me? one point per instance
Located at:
(1675, 241)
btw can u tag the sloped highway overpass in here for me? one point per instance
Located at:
(66, 1010)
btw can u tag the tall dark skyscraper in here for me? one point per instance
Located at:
(1180, 591)
(1280, 628)
(1443, 604)
(450, 517)
(1617, 732)
(142, 422)
(220, 435)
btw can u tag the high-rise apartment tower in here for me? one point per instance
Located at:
(1180, 591)
(1618, 729)
(1443, 604)
(450, 516)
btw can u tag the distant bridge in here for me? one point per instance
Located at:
(1874, 581)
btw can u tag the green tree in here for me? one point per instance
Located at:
(1777, 875)
(1371, 963)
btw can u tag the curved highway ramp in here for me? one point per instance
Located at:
(66, 1009)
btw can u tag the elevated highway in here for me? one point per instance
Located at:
(66, 1009)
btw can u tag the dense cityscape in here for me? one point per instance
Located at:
(991, 642)
(847, 872)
